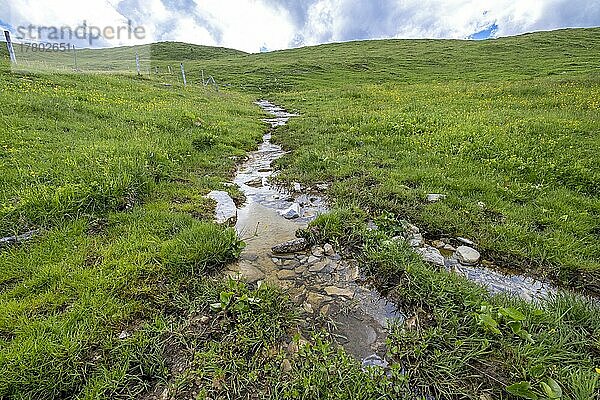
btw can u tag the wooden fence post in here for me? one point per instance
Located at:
(9, 45)
(75, 57)
(183, 76)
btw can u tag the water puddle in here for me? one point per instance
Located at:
(316, 278)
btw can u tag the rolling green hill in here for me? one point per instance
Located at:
(112, 298)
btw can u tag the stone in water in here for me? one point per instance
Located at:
(291, 213)
(226, 210)
(291, 246)
(467, 255)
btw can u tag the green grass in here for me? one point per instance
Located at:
(105, 168)
(506, 128)
(461, 342)
(120, 59)
(112, 169)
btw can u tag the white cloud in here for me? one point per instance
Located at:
(276, 24)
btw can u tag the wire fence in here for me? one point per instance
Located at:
(133, 60)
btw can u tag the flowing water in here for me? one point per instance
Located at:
(317, 279)
(321, 283)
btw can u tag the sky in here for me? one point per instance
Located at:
(265, 25)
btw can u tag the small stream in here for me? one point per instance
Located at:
(317, 279)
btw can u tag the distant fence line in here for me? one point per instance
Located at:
(48, 59)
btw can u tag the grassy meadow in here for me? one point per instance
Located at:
(507, 129)
(112, 298)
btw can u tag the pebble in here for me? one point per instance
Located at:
(336, 291)
(291, 246)
(312, 259)
(438, 244)
(449, 247)
(328, 250)
(292, 212)
(308, 308)
(432, 255)
(317, 299)
(286, 275)
(300, 269)
(416, 240)
(434, 197)
(465, 241)
(318, 267)
(286, 366)
(276, 261)
(317, 251)
(467, 255)
(288, 264)
(247, 272)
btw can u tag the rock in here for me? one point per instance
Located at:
(303, 200)
(124, 335)
(416, 240)
(255, 183)
(297, 187)
(325, 309)
(352, 273)
(449, 247)
(289, 264)
(286, 366)
(247, 272)
(336, 291)
(317, 251)
(226, 210)
(374, 361)
(292, 348)
(286, 275)
(316, 300)
(467, 255)
(277, 261)
(465, 241)
(438, 244)
(291, 246)
(308, 308)
(432, 255)
(299, 297)
(320, 266)
(434, 197)
(408, 227)
(292, 212)
(312, 259)
(249, 257)
(322, 186)
(300, 269)
(328, 250)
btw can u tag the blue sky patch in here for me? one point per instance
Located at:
(486, 33)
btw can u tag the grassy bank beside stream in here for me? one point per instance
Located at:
(115, 297)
